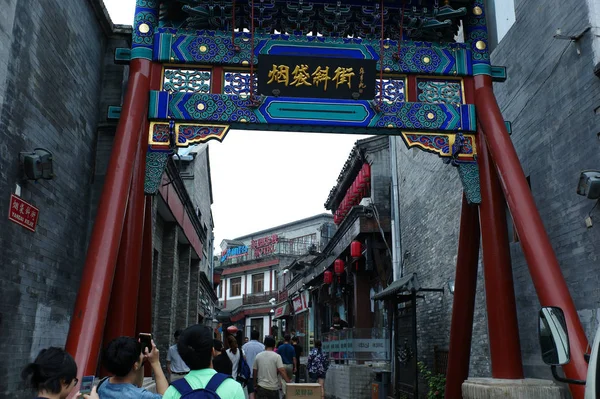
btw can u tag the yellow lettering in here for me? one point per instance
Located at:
(321, 75)
(343, 76)
(279, 74)
(301, 76)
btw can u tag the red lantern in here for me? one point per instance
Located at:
(328, 277)
(338, 266)
(355, 249)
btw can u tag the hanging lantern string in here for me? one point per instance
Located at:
(401, 38)
(252, 52)
(381, 58)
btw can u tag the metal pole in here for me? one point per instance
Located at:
(543, 266)
(397, 268)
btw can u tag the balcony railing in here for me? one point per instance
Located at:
(262, 297)
(282, 247)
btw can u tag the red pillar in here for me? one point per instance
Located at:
(91, 305)
(126, 283)
(503, 327)
(543, 266)
(144, 314)
(463, 306)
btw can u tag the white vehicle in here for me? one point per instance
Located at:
(554, 341)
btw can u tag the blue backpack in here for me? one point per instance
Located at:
(208, 392)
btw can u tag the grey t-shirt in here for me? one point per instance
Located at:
(267, 363)
(124, 391)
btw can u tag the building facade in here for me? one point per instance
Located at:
(552, 88)
(60, 90)
(254, 272)
(57, 77)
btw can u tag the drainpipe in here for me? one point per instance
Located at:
(396, 244)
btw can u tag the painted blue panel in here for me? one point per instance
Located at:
(317, 51)
(316, 112)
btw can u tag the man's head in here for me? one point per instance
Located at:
(295, 341)
(336, 317)
(218, 345)
(254, 335)
(287, 338)
(269, 343)
(177, 334)
(122, 356)
(245, 339)
(195, 346)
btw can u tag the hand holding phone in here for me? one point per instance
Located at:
(87, 382)
(146, 341)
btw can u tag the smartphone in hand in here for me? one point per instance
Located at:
(87, 382)
(146, 341)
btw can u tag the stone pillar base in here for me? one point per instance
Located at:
(489, 388)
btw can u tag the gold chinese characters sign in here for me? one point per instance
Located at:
(316, 77)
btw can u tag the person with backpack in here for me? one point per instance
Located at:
(267, 368)
(241, 370)
(195, 346)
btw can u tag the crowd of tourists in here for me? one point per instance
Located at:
(198, 367)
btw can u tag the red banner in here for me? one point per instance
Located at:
(23, 213)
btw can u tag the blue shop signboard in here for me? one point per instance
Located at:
(234, 252)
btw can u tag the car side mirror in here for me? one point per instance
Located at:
(554, 338)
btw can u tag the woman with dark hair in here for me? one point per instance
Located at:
(52, 374)
(234, 355)
(317, 365)
(221, 362)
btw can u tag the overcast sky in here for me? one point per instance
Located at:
(264, 179)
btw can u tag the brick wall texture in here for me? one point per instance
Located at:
(52, 56)
(552, 98)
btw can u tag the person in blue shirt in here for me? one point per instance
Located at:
(288, 355)
(124, 359)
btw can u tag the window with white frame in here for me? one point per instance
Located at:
(235, 286)
(258, 283)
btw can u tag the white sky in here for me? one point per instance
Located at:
(263, 179)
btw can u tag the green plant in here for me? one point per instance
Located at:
(435, 382)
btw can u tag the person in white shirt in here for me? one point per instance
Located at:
(176, 367)
(251, 349)
(267, 367)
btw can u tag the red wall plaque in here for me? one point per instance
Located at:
(23, 213)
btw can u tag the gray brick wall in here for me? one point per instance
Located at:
(430, 199)
(167, 293)
(51, 73)
(183, 287)
(550, 97)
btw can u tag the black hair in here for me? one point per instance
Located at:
(295, 339)
(269, 342)
(121, 354)
(218, 345)
(177, 334)
(195, 346)
(49, 370)
(254, 335)
(318, 344)
(336, 314)
(287, 338)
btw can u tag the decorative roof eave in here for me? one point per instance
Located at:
(358, 155)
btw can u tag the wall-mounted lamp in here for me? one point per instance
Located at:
(589, 184)
(37, 164)
(272, 311)
(451, 287)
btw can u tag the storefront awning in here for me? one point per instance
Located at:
(282, 311)
(406, 285)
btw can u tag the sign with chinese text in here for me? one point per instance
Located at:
(23, 213)
(316, 77)
(264, 246)
(301, 302)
